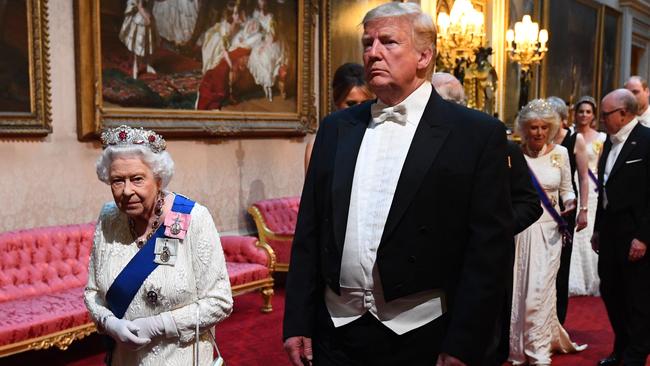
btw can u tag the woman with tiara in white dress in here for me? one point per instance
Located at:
(583, 273)
(535, 331)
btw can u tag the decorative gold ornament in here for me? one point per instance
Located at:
(529, 43)
(480, 82)
(460, 33)
(556, 160)
(597, 145)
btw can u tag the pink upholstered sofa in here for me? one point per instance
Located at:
(43, 272)
(42, 276)
(276, 223)
(250, 266)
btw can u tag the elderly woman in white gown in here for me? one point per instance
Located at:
(156, 268)
(535, 332)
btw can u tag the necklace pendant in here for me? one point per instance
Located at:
(139, 243)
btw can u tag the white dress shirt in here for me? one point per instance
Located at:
(377, 171)
(644, 118)
(618, 140)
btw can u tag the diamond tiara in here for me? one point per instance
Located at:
(125, 135)
(540, 106)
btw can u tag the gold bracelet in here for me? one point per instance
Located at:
(584, 208)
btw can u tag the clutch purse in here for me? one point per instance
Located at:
(217, 361)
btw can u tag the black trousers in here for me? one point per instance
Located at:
(366, 341)
(625, 290)
(562, 279)
(499, 349)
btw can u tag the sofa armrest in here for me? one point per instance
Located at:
(247, 249)
(276, 218)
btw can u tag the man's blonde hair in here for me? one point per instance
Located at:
(424, 31)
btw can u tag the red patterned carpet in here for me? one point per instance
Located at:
(250, 338)
(587, 323)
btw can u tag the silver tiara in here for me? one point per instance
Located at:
(540, 106)
(125, 135)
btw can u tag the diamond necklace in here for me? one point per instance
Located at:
(158, 211)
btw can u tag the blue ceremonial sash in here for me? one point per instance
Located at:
(563, 225)
(594, 179)
(129, 281)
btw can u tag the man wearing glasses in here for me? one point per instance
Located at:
(622, 228)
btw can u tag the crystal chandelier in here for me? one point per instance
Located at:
(529, 43)
(460, 33)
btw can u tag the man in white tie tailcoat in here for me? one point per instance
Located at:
(622, 228)
(400, 254)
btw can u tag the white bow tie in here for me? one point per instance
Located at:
(381, 113)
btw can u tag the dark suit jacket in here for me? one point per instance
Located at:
(525, 200)
(627, 189)
(570, 143)
(449, 226)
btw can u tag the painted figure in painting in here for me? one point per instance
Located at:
(224, 59)
(217, 84)
(253, 40)
(217, 39)
(176, 19)
(267, 55)
(191, 54)
(138, 33)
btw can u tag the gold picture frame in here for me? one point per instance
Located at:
(95, 113)
(25, 94)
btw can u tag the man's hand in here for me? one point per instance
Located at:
(446, 360)
(595, 241)
(637, 250)
(299, 350)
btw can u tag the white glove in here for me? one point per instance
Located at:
(125, 332)
(150, 327)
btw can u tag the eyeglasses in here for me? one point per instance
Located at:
(606, 114)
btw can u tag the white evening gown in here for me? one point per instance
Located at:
(535, 332)
(215, 44)
(583, 273)
(267, 55)
(199, 273)
(176, 19)
(136, 36)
